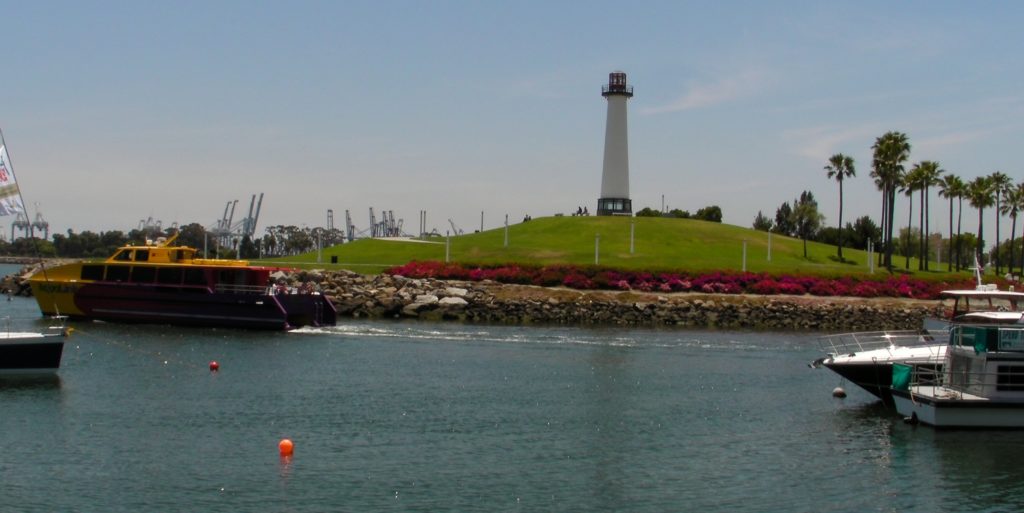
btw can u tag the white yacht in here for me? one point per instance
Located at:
(866, 358)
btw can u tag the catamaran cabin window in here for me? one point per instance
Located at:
(118, 272)
(142, 255)
(92, 272)
(168, 275)
(143, 274)
(195, 277)
(125, 255)
(231, 277)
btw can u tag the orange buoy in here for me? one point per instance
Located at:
(285, 447)
(214, 366)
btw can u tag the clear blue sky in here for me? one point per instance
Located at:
(117, 111)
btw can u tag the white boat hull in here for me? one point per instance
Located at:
(938, 407)
(859, 358)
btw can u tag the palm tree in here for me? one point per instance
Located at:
(980, 193)
(1020, 199)
(908, 188)
(951, 186)
(1001, 184)
(926, 174)
(891, 150)
(959, 223)
(1012, 205)
(879, 183)
(840, 167)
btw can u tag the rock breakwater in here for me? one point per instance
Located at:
(385, 296)
(397, 297)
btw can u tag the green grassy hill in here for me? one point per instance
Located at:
(659, 244)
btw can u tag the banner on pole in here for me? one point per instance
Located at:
(10, 197)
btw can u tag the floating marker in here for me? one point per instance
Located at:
(839, 392)
(214, 366)
(285, 447)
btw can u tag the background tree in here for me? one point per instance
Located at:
(1013, 203)
(710, 213)
(840, 167)
(980, 195)
(951, 186)
(864, 230)
(31, 246)
(908, 187)
(925, 175)
(247, 249)
(68, 246)
(908, 242)
(193, 235)
(891, 150)
(297, 240)
(1001, 184)
(648, 212)
(966, 259)
(269, 243)
(784, 220)
(762, 223)
(806, 217)
(86, 244)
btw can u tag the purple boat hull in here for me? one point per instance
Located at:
(199, 306)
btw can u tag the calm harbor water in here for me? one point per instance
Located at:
(414, 416)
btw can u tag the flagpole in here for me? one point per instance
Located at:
(10, 166)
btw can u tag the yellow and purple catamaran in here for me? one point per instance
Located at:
(158, 282)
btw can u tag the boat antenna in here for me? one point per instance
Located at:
(21, 199)
(173, 237)
(977, 271)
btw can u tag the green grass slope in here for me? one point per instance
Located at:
(658, 244)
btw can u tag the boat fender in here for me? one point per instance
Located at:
(839, 392)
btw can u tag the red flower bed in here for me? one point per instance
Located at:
(717, 282)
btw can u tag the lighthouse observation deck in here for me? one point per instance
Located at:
(617, 86)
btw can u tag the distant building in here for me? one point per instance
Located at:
(614, 198)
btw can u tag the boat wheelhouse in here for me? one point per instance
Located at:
(161, 283)
(980, 385)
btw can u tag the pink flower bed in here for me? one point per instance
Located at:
(716, 282)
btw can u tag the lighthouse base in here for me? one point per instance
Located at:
(614, 207)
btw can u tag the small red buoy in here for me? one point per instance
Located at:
(214, 366)
(285, 447)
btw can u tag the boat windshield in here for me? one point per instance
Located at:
(125, 255)
(961, 305)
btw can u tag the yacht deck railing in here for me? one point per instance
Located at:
(961, 383)
(857, 342)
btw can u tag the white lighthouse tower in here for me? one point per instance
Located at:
(614, 198)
